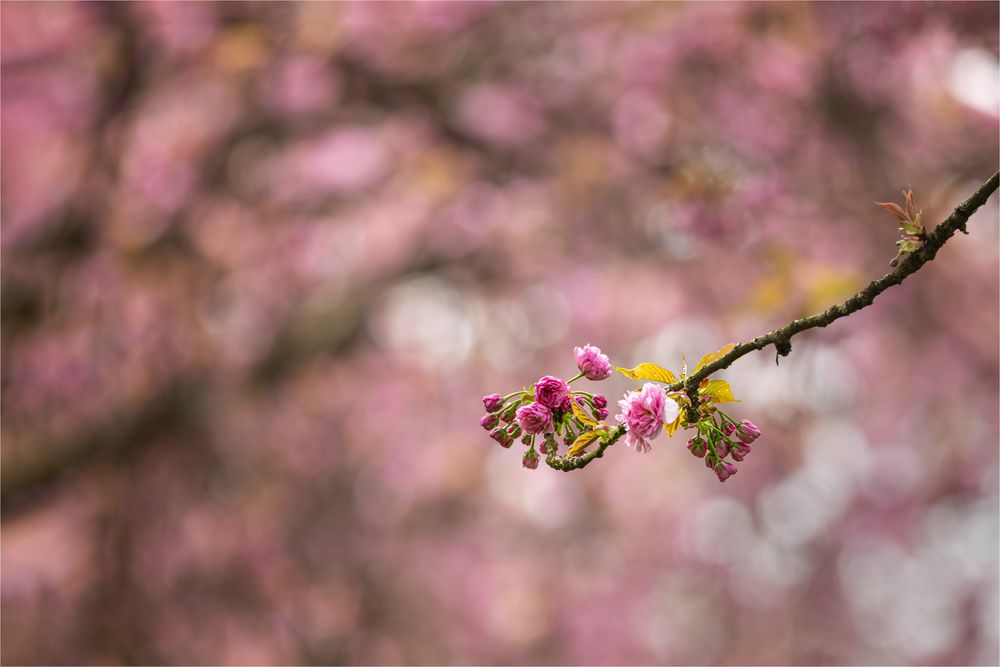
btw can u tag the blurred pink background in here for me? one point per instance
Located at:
(261, 261)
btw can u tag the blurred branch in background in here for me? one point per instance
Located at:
(39, 463)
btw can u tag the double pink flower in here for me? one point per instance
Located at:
(644, 413)
(592, 363)
(534, 418)
(551, 392)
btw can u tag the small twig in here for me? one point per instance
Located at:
(781, 338)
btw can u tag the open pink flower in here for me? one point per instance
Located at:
(644, 413)
(551, 391)
(592, 363)
(534, 418)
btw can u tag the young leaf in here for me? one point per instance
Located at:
(581, 415)
(893, 208)
(709, 358)
(582, 442)
(911, 206)
(648, 371)
(719, 391)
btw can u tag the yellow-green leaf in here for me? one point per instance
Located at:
(648, 371)
(719, 391)
(582, 441)
(672, 427)
(709, 358)
(581, 415)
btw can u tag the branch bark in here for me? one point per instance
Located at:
(781, 338)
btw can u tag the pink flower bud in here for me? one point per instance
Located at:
(499, 435)
(747, 432)
(493, 402)
(549, 445)
(697, 447)
(724, 471)
(534, 418)
(728, 427)
(508, 414)
(592, 363)
(722, 448)
(530, 460)
(551, 391)
(600, 401)
(489, 421)
(739, 451)
(601, 413)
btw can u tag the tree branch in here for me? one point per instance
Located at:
(781, 338)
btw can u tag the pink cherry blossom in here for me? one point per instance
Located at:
(643, 413)
(592, 363)
(551, 392)
(534, 418)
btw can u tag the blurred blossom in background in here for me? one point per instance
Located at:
(261, 261)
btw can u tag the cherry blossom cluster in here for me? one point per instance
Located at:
(549, 409)
(550, 413)
(720, 437)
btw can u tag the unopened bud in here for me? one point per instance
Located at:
(697, 447)
(724, 471)
(530, 460)
(739, 450)
(722, 448)
(493, 402)
(747, 432)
